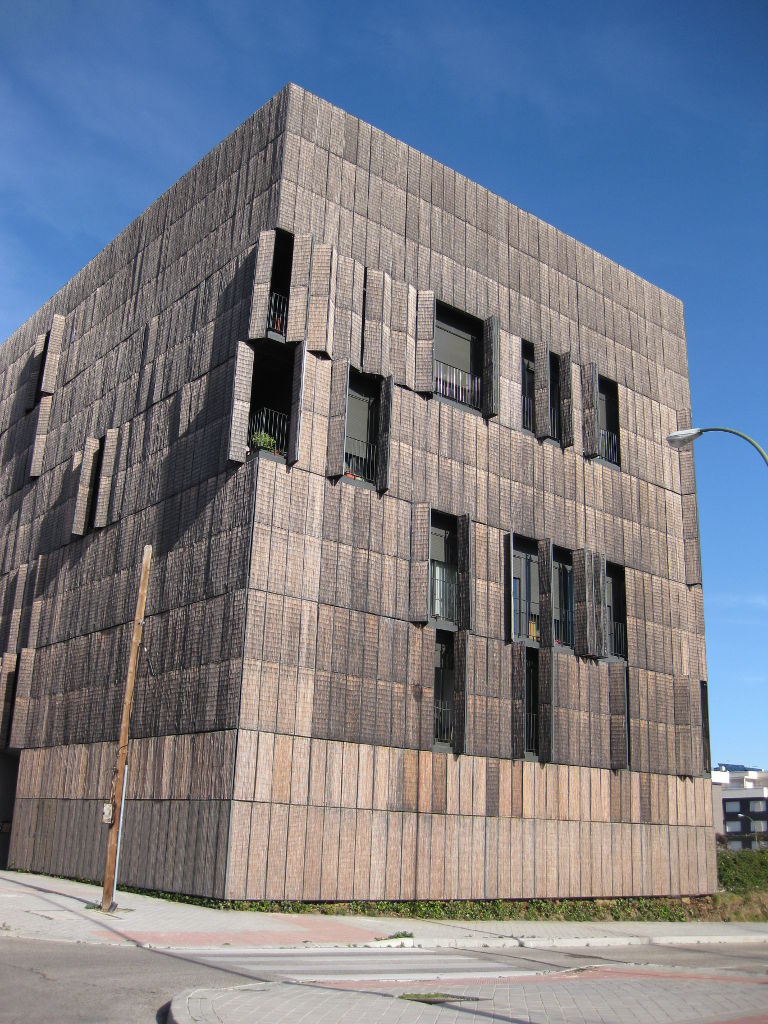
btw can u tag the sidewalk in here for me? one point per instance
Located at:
(36, 906)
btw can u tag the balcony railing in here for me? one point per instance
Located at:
(531, 733)
(443, 721)
(609, 447)
(617, 639)
(277, 317)
(360, 459)
(268, 432)
(562, 626)
(529, 413)
(458, 385)
(443, 591)
(527, 623)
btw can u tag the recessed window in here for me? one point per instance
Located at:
(704, 704)
(458, 356)
(443, 568)
(270, 411)
(555, 426)
(531, 701)
(528, 387)
(362, 419)
(616, 607)
(444, 686)
(525, 590)
(280, 285)
(733, 826)
(608, 421)
(562, 598)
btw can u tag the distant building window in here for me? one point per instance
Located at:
(608, 421)
(458, 356)
(734, 844)
(732, 806)
(758, 825)
(525, 590)
(757, 805)
(528, 387)
(562, 598)
(733, 826)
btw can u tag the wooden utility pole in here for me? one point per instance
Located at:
(118, 781)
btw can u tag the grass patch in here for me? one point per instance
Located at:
(437, 997)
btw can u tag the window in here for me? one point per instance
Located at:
(443, 568)
(280, 286)
(444, 685)
(758, 825)
(733, 826)
(562, 598)
(616, 608)
(362, 419)
(704, 703)
(757, 805)
(457, 356)
(270, 411)
(531, 701)
(734, 844)
(528, 384)
(732, 806)
(608, 421)
(555, 427)
(525, 590)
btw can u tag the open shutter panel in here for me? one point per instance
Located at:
(377, 330)
(262, 280)
(84, 486)
(24, 676)
(337, 421)
(541, 391)
(545, 711)
(566, 401)
(297, 400)
(465, 574)
(545, 592)
(50, 368)
(425, 342)
(518, 700)
(601, 608)
(683, 751)
(420, 520)
(242, 379)
(104, 490)
(37, 452)
(617, 703)
(298, 300)
(580, 626)
(460, 661)
(384, 440)
(398, 338)
(322, 300)
(589, 401)
(491, 366)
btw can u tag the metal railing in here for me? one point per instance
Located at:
(458, 385)
(277, 317)
(554, 422)
(617, 639)
(443, 721)
(562, 626)
(444, 589)
(268, 432)
(609, 447)
(527, 623)
(531, 733)
(529, 414)
(360, 459)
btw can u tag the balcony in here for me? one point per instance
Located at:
(360, 459)
(562, 626)
(458, 385)
(617, 639)
(527, 623)
(531, 733)
(268, 432)
(609, 447)
(529, 414)
(443, 721)
(277, 317)
(444, 588)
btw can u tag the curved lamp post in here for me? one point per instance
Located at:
(681, 438)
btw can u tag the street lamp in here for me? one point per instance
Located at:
(681, 438)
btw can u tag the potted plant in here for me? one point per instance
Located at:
(261, 439)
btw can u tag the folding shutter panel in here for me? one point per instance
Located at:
(33, 372)
(104, 491)
(683, 753)
(399, 332)
(491, 366)
(337, 421)
(357, 317)
(460, 660)
(7, 687)
(589, 402)
(37, 452)
(543, 423)
(566, 401)
(376, 329)
(85, 487)
(518, 700)
(691, 547)
(465, 574)
(297, 400)
(24, 674)
(544, 713)
(580, 624)
(242, 371)
(509, 589)
(601, 608)
(298, 300)
(262, 281)
(545, 592)
(322, 300)
(384, 440)
(425, 342)
(50, 367)
(617, 697)
(420, 523)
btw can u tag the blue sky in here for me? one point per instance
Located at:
(639, 129)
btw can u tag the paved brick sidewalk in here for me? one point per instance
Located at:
(594, 996)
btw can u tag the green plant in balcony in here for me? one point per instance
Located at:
(261, 439)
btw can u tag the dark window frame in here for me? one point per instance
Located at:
(525, 570)
(528, 387)
(458, 375)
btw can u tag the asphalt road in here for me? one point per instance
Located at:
(75, 983)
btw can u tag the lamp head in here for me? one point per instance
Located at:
(681, 438)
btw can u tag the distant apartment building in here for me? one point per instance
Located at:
(740, 806)
(425, 610)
